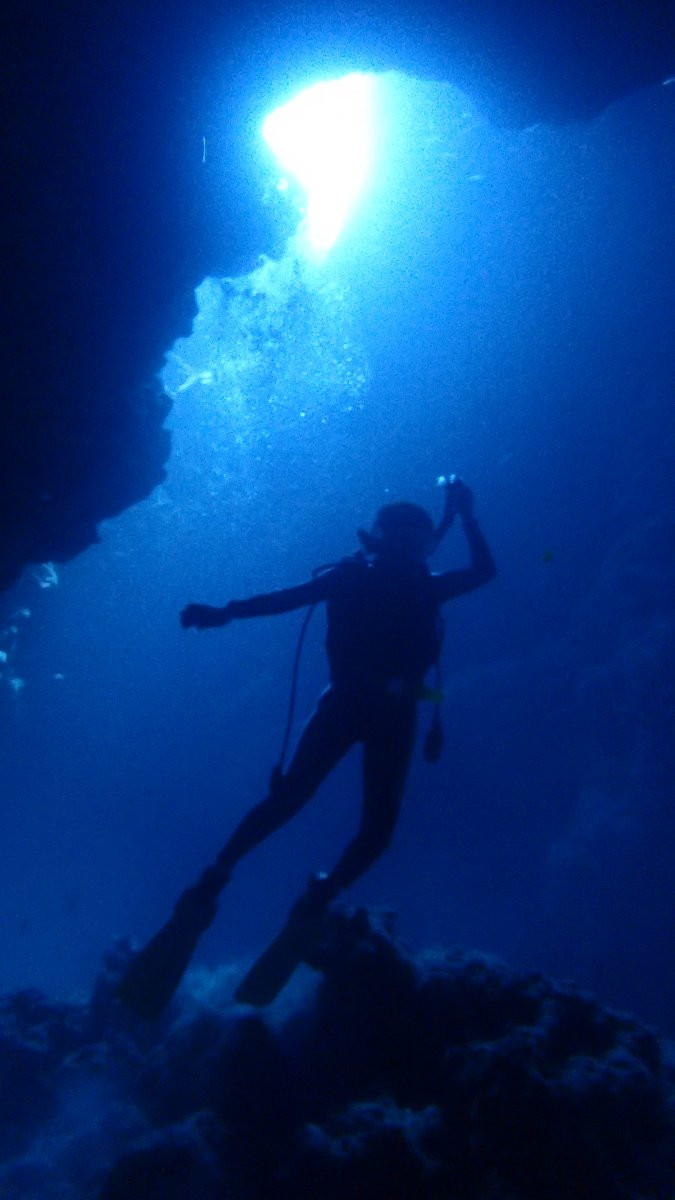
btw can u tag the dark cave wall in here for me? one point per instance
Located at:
(111, 217)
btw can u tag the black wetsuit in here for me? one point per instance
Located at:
(384, 633)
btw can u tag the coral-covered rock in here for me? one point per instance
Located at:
(403, 1076)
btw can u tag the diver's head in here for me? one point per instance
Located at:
(404, 530)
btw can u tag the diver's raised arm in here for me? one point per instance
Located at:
(268, 604)
(449, 485)
(482, 567)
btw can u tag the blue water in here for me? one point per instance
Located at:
(500, 306)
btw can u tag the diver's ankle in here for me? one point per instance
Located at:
(321, 888)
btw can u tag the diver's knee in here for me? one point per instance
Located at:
(373, 844)
(284, 797)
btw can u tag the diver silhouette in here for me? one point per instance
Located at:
(384, 633)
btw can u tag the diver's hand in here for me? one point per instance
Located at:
(204, 616)
(459, 498)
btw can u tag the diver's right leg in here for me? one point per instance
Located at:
(325, 739)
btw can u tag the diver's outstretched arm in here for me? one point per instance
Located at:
(203, 616)
(269, 604)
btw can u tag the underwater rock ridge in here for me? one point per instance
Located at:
(443, 1074)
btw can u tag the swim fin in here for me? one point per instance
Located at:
(154, 974)
(298, 937)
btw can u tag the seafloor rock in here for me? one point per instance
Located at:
(443, 1075)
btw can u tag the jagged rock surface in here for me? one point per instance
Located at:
(435, 1076)
(111, 220)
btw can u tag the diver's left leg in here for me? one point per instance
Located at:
(386, 763)
(327, 736)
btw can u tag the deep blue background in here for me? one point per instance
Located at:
(510, 293)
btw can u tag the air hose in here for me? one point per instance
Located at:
(278, 770)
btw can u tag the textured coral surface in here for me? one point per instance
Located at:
(440, 1075)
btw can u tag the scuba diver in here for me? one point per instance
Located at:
(384, 633)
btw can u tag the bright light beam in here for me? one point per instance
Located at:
(324, 138)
